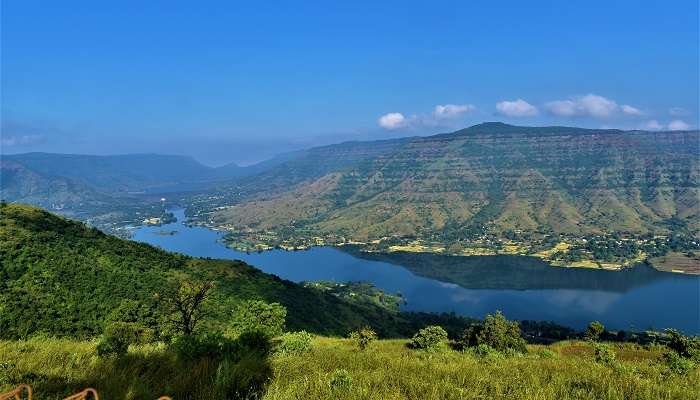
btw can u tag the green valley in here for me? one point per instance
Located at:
(572, 196)
(134, 321)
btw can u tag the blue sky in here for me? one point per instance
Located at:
(241, 81)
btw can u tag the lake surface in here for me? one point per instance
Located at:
(522, 287)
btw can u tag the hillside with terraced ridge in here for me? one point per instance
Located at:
(488, 182)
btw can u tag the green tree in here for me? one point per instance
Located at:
(686, 346)
(119, 335)
(428, 338)
(257, 315)
(603, 354)
(184, 301)
(364, 337)
(594, 331)
(496, 332)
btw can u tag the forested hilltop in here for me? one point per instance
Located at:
(59, 277)
(573, 196)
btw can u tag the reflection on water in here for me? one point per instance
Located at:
(514, 272)
(522, 287)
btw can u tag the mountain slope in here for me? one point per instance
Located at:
(59, 277)
(19, 182)
(121, 174)
(115, 174)
(288, 170)
(490, 178)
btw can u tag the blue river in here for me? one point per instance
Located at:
(523, 288)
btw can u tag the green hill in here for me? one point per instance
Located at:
(21, 182)
(59, 277)
(479, 184)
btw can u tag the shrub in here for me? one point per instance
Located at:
(294, 343)
(594, 330)
(109, 346)
(364, 337)
(604, 354)
(217, 346)
(340, 380)
(8, 370)
(496, 332)
(686, 346)
(486, 351)
(252, 343)
(546, 354)
(678, 364)
(119, 335)
(192, 347)
(428, 338)
(245, 379)
(257, 315)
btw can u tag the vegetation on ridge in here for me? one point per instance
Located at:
(60, 277)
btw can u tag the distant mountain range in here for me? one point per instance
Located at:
(30, 186)
(73, 180)
(491, 177)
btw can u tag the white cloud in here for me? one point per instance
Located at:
(652, 125)
(392, 120)
(23, 140)
(517, 108)
(629, 110)
(678, 112)
(597, 106)
(562, 108)
(443, 115)
(448, 111)
(678, 125)
(590, 105)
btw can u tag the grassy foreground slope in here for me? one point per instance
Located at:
(335, 369)
(59, 277)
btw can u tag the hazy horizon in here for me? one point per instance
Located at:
(288, 150)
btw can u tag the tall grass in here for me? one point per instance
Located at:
(56, 368)
(336, 369)
(391, 371)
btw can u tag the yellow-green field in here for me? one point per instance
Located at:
(335, 369)
(678, 262)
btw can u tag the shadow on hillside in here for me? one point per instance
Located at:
(233, 371)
